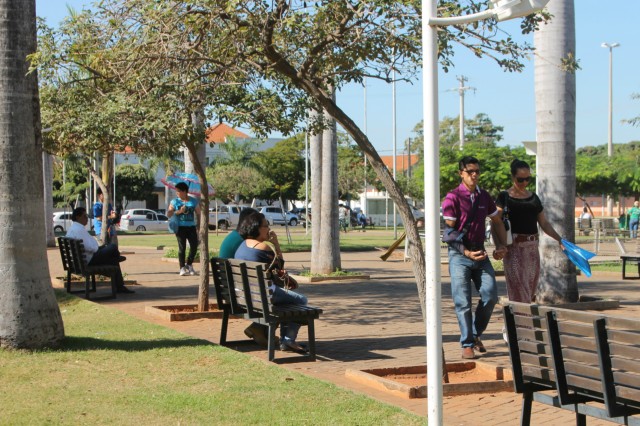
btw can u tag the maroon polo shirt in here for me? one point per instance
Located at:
(457, 206)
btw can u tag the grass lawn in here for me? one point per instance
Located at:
(115, 369)
(351, 241)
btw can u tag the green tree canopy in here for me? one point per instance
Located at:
(133, 182)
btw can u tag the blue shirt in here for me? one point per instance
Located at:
(189, 217)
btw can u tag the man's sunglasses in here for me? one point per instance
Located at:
(472, 172)
(524, 179)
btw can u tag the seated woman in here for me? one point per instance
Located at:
(255, 231)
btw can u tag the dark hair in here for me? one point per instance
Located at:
(462, 164)
(182, 186)
(249, 227)
(243, 215)
(99, 191)
(518, 164)
(77, 212)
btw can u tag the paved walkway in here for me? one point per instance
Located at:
(366, 324)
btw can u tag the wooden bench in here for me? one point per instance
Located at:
(242, 290)
(627, 257)
(558, 361)
(73, 261)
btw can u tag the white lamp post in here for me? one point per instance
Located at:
(610, 46)
(502, 10)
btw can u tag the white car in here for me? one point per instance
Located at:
(62, 222)
(275, 216)
(143, 220)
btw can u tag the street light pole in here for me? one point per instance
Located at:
(610, 46)
(501, 10)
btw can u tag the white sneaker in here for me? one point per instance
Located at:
(191, 270)
(184, 271)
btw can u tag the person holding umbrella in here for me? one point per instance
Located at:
(187, 209)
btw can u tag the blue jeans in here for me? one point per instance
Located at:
(288, 330)
(463, 271)
(633, 227)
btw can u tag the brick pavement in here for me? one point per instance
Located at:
(366, 324)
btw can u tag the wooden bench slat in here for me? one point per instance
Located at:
(579, 342)
(543, 374)
(572, 356)
(533, 335)
(627, 365)
(534, 347)
(589, 371)
(580, 329)
(620, 336)
(627, 380)
(586, 383)
(536, 360)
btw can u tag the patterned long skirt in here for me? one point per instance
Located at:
(522, 271)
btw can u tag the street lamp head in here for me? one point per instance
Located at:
(610, 45)
(510, 9)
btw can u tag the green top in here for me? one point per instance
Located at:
(230, 244)
(634, 212)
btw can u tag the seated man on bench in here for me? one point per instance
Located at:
(96, 255)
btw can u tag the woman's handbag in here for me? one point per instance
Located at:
(505, 217)
(174, 224)
(279, 275)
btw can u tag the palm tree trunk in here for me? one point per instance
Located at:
(315, 219)
(47, 173)
(555, 90)
(29, 313)
(329, 251)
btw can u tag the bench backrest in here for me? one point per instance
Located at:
(529, 347)
(575, 355)
(618, 341)
(72, 255)
(224, 286)
(253, 293)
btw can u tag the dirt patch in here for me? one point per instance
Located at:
(183, 312)
(473, 375)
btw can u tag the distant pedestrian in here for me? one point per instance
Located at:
(112, 235)
(464, 209)
(634, 218)
(187, 208)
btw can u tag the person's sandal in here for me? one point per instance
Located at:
(288, 345)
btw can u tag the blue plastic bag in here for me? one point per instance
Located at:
(174, 224)
(579, 256)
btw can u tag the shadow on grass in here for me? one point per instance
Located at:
(77, 344)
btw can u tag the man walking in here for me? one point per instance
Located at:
(465, 209)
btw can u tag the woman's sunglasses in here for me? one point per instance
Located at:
(524, 179)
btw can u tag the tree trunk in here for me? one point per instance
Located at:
(555, 90)
(47, 173)
(314, 218)
(29, 314)
(328, 259)
(196, 150)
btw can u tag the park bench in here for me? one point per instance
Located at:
(562, 358)
(242, 290)
(632, 258)
(73, 261)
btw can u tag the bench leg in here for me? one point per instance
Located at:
(624, 266)
(272, 340)
(581, 419)
(223, 329)
(312, 340)
(68, 283)
(525, 415)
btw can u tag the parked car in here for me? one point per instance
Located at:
(62, 222)
(226, 216)
(275, 216)
(143, 220)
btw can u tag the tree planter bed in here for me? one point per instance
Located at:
(183, 312)
(411, 382)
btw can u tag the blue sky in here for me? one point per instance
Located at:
(507, 98)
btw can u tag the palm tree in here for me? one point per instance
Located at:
(29, 313)
(555, 90)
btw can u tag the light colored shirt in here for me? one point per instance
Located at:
(189, 216)
(79, 232)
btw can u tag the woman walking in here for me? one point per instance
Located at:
(525, 213)
(187, 209)
(634, 217)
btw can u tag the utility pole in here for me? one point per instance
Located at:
(461, 89)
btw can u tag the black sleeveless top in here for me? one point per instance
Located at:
(523, 212)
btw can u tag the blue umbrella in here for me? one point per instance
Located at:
(190, 179)
(579, 256)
